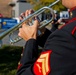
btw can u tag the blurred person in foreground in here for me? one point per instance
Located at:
(58, 56)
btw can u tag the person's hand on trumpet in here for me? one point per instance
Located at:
(26, 31)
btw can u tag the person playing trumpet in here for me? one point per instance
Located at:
(58, 56)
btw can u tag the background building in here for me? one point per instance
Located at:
(5, 9)
(13, 8)
(21, 6)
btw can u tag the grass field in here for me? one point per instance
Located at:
(9, 58)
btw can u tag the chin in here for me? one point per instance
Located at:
(69, 7)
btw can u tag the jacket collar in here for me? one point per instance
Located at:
(72, 12)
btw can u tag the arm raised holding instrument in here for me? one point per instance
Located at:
(30, 53)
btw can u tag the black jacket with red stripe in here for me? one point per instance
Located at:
(58, 56)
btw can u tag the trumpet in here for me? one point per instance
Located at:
(30, 17)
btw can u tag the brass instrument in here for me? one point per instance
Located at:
(42, 24)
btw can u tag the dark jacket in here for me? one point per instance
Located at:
(58, 56)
